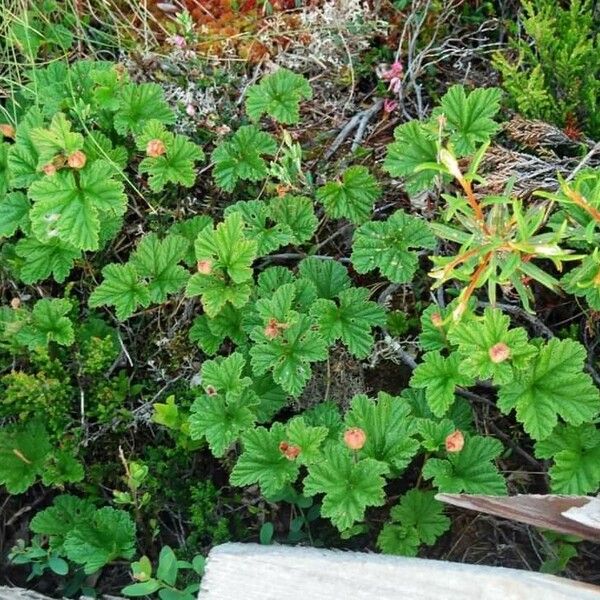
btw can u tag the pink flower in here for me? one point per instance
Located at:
(389, 106)
(177, 40)
(190, 110)
(394, 72)
(394, 76)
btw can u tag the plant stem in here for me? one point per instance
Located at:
(580, 201)
(466, 186)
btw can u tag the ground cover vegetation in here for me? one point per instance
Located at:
(281, 272)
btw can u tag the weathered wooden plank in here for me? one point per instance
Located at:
(254, 572)
(574, 515)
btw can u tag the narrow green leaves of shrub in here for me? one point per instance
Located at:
(387, 245)
(584, 281)
(352, 197)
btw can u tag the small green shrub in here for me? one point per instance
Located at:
(552, 72)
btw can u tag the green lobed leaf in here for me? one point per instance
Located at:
(278, 95)
(476, 340)
(469, 118)
(109, 535)
(221, 419)
(289, 354)
(13, 213)
(41, 260)
(439, 376)
(256, 216)
(420, 509)
(227, 248)
(297, 213)
(351, 321)
(224, 375)
(49, 323)
(553, 386)
(307, 437)
(121, 288)
(414, 145)
(353, 197)
(471, 470)
(329, 277)
(23, 452)
(138, 104)
(387, 245)
(71, 208)
(386, 423)
(576, 455)
(66, 513)
(176, 165)
(156, 261)
(349, 486)
(241, 157)
(263, 462)
(399, 540)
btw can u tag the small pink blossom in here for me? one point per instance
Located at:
(394, 72)
(389, 106)
(394, 76)
(190, 109)
(177, 40)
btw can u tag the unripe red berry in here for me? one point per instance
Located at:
(77, 160)
(499, 352)
(355, 438)
(155, 148)
(455, 441)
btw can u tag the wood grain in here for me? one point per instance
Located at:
(574, 515)
(253, 572)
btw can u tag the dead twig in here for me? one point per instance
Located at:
(359, 122)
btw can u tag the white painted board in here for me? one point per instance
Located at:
(254, 572)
